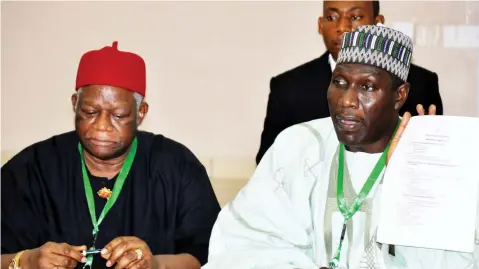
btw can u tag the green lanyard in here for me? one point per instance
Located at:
(348, 213)
(125, 169)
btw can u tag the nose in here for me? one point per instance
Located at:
(344, 25)
(350, 99)
(103, 122)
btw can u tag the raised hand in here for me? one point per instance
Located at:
(402, 127)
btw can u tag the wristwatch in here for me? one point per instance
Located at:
(15, 263)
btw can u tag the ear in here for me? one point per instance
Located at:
(401, 96)
(74, 101)
(379, 19)
(142, 112)
(320, 25)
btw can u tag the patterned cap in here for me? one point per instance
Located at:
(379, 46)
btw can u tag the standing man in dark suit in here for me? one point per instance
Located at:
(299, 95)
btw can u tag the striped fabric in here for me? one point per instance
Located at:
(380, 46)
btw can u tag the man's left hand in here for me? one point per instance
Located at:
(128, 252)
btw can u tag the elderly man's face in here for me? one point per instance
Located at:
(363, 104)
(106, 120)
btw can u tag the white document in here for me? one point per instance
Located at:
(430, 188)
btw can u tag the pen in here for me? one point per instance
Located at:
(91, 252)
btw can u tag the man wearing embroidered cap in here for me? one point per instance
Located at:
(312, 201)
(300, 94)
(133, 199)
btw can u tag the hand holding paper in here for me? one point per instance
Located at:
(402, 126)
(430, 189)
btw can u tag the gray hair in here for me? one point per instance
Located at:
(138, 98)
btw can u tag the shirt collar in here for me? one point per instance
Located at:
(332, 62)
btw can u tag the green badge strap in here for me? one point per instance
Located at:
(125, 169)
(348, 213)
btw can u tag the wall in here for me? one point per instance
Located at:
(208, 64)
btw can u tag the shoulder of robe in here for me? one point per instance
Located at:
(164, 152)
(45, 151)
(304, 140)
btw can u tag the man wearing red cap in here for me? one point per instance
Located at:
(106, 194)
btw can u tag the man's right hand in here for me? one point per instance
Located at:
(53, 255)
(402, 127)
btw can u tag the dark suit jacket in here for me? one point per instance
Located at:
(299, 95)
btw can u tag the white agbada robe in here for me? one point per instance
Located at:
(279, 220)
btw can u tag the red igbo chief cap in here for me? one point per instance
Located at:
(109, 66)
